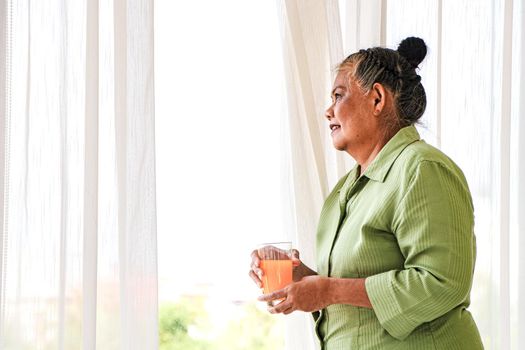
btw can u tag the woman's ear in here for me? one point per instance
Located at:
(378, 95)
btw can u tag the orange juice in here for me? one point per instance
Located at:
(277, 274)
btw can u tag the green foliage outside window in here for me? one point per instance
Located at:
(186, 325)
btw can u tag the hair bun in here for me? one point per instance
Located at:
(413, 50)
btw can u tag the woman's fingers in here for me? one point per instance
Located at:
(270, 252)
(255, 257)
(283, 307)
(288, 311)
(256, 272)
(273, 253)
(278, 294)
(256, 262)
(255, 278)
(294, 256)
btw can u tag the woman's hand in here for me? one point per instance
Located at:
(310, 294)
(256, 272)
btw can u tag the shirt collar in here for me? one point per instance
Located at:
(378, 169)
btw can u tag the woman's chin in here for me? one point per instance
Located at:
(338, 145)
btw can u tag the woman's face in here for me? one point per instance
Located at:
(350, 115)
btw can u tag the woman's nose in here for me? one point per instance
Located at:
(329, 113)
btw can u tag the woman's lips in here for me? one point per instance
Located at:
(334, 128)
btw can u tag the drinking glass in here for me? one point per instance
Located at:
(276, 265)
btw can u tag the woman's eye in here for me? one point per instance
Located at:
(337, 96)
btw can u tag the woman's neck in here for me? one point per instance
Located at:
(370, 151)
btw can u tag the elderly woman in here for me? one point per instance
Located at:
(395, 241)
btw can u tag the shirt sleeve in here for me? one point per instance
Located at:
(434, 227)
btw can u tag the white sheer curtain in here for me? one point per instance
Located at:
(78, 257)
(312, 45)
(474, 78)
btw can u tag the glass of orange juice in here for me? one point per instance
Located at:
(276, 265)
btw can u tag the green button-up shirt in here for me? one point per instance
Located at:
(406, 225)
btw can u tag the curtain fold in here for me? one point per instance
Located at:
(517, 174)
(90, 234)
(4, 142)
(363, 24)
(79, 264)
(305, 178)
(134, 125)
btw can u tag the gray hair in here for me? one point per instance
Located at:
(396, 70)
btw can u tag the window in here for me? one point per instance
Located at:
(218, 91)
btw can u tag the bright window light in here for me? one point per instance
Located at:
(218, 93)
